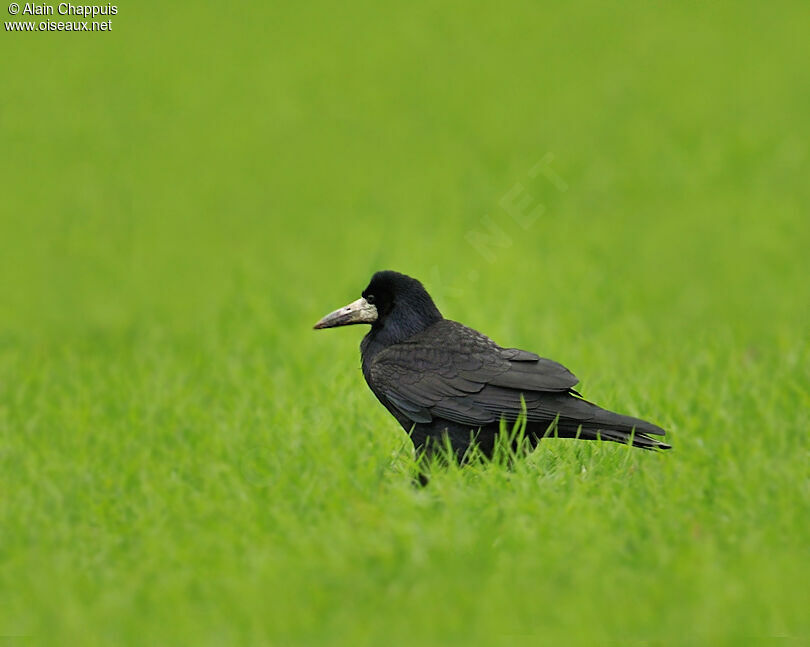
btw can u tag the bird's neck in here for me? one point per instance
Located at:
(392, 332)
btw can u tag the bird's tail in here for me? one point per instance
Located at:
(587, 432)
(601, 424)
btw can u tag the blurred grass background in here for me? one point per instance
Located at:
(183, 461)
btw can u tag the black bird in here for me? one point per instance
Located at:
(441, 379)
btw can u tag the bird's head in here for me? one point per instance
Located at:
(393, 302)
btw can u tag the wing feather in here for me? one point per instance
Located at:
(456, 373)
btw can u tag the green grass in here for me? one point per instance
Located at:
(184, 461)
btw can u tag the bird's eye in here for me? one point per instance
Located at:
(370, 298)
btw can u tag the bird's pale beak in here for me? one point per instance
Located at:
(357, 312)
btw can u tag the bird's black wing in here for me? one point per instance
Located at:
(453, 372)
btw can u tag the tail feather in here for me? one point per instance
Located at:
(597, 423)
(619, 428)
(573, 416)
(596, 432)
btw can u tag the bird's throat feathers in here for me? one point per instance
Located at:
(400, 323)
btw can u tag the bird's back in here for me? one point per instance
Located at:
(452, 380)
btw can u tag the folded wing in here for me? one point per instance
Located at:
(456, 373)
